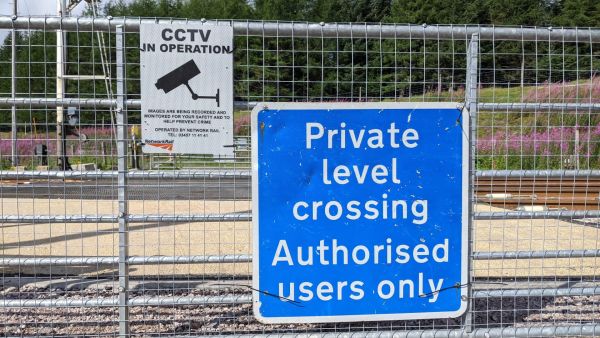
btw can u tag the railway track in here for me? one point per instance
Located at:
(509, 193)
(539, 193)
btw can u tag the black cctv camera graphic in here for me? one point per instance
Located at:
(181, 76)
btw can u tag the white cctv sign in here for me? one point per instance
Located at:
(186, 84)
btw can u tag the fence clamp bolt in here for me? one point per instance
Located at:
(121, 289)
(424, 25)
(13, 18)
(322, 23)
(109, 17)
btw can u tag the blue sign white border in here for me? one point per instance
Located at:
(465, 210)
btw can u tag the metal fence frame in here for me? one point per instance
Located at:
(123, 218)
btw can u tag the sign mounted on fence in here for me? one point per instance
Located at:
(360, 211)
(186, 82)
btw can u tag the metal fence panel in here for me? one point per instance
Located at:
(137, 244)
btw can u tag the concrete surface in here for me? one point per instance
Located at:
(218, 238)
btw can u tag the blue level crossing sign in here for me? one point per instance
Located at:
(360, 211)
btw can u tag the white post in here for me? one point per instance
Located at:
(471, 100)
(13, 93)
(124, 330)
(60, 87)
(576, 149)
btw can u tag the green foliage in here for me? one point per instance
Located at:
(496, 12)
(216, 9)
(282, 9)
(149, 8)
(583, 13)
(439, 11)
(300, 68)
(520, 12)
(36, 57)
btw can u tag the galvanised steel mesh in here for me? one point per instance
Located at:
(128, 243)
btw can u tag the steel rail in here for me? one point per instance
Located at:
(134, 260)
(39, 102)
(241, 258)
(230, 217)
(137, 301)
(246, 173)
(309, 29)
(540, 106)
(553, 214)
(555, 173)
(247, 298)
(43, 102)
(493, 255)
(574, 330)
(96, 174)
(246, 217)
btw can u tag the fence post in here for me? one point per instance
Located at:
(576, 150)
(61, 52)
(122, 188)
(471, 104)
(13, 91)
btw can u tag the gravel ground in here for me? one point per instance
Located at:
(197, 238)
(228, 319)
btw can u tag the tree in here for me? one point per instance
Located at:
(439, 12)
(297, 10)
(520, 12)
(583, 13)
(216, 9)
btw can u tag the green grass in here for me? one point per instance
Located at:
(489, 122)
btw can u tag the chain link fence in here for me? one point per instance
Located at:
(128, 243)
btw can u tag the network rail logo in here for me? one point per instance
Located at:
(162, 144)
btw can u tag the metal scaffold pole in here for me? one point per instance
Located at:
(60, 89)
(13, 94)
(122, 183)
